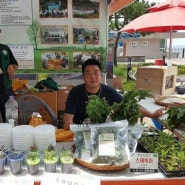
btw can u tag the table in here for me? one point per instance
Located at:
(123, 177)
(150, 105)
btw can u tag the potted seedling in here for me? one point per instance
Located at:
(50, 159)
(15, 159)
(3, 157)
(66, 160)
(33, 160)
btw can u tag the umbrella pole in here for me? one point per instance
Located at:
(170, 45)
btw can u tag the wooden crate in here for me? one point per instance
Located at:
(62, 96)
(160, 80)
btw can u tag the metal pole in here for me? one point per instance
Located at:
(170, 45)
(129, 68)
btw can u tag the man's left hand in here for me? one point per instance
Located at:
(10, 71)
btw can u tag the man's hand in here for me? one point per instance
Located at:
(67, 126)
(158, 113)
(11, 70)
(67, 120)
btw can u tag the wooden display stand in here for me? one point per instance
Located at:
(61, 101)
(117, 83)
(160, 79)
(49, 97)
(62, 96)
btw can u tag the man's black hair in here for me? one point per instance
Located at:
(90, 62)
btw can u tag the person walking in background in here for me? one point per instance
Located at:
(75, 109)
(8, 66)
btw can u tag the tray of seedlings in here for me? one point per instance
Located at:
(171, 152)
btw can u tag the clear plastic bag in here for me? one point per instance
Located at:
(81, 140)
(110, 143)
(134, 134)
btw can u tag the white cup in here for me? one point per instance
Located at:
(11, 122)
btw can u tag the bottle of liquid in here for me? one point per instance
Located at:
(11, 108)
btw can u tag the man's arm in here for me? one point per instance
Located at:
(13, 65)
(67, 120)
(156, 114)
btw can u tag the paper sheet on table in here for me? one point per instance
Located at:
(149, 104)
(15, 180)
(66, 179)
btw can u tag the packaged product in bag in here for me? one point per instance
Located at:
(82, 141)
(110, 143)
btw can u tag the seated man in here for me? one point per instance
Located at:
(75, 110)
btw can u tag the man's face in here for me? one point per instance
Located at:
(92, 76)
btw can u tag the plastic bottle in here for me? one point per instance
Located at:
(11, 108)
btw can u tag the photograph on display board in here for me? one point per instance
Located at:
(54, 34)
(85, 35)
(54, 60)
(53, 9)
(80, 57)
(86, 9)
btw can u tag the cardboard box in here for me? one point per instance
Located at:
(62, 96)
(117, 83)
(160, 79)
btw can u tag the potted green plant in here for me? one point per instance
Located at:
(15, 160)
(175, 117)
(66, 160)
(3, 158)
(33, 159)
(129, 107)
(98, 109)
(50, 159)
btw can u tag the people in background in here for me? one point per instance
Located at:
(8, 66)
(75, 110)
(95, 40)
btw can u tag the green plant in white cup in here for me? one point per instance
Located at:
(50, 159)
(33, 159)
